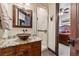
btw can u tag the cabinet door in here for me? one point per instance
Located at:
(23, 50)
(36, 48)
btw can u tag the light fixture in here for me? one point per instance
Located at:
(61, 13)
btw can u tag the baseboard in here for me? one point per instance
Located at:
(52, 51)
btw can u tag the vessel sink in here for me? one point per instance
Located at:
(24, 36)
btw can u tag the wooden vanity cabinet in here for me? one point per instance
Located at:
(64, 38)
(29, 49)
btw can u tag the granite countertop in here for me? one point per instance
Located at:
(16, 41)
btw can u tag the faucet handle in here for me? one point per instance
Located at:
(24, 30)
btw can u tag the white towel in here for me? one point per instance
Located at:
(5, 16)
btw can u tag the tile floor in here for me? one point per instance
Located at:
(63, 51)
(47, 53)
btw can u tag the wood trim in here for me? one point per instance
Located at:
(77, 21)
(57, 30)
(52, 51)
(14, 15)
(73, 20)
(74, 27)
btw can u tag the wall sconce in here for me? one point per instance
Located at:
(62, 11)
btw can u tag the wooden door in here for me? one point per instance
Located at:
(74, 37)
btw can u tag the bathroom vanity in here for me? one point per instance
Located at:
(64, 38)
(30, 47)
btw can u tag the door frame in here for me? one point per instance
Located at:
(57, 30)
(74, 29)
(57, 27)
(56, 52)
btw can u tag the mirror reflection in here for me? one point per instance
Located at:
(22, 18)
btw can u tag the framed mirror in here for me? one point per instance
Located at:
(22, 18)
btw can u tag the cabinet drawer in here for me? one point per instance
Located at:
(23, 47)
(37, 48)
(10, 51)
(23, 50)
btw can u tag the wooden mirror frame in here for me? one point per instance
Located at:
(14, 18)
